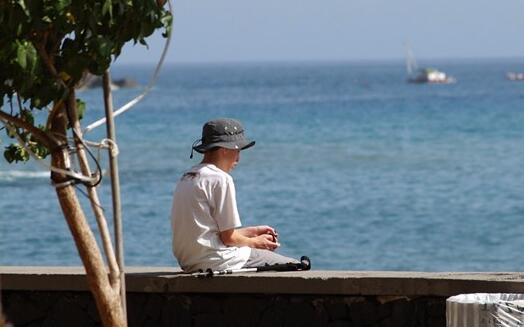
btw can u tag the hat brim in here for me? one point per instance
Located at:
(235, 145)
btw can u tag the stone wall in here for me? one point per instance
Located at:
(57, 309)
(58, 296)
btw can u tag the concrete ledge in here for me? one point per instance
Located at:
(165, 297)
(172, 280)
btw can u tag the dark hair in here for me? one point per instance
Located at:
(213, 149)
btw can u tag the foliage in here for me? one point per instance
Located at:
(46, 46)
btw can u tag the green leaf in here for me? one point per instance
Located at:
(9, 155)
(167, 21)
(21, 154)
(21, 56)
(60, 5)
(107, 8)
(31, 57)
(143, 42)
(15, 152)
(36, 102)
(22, 5)
(39, 150)
(10, 132)
(80, 108)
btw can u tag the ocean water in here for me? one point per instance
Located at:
(354, 167)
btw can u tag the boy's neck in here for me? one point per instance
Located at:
(214, 160)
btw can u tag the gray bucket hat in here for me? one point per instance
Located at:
(223, 132)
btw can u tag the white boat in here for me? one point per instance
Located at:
(424, 75)
(512, 76)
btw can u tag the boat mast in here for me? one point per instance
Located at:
(411, 63)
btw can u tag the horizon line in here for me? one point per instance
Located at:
(322, 61)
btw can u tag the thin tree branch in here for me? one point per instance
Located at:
(41, 136)
(115, 187)
(40, 46)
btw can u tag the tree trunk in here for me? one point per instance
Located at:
(107, 299)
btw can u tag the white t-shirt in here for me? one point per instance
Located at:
(204, 204)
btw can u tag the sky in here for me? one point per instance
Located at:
(337, 30)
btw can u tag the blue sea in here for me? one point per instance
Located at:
(353, 166)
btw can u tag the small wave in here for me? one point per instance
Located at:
(22, 174)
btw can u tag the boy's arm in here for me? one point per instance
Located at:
(254, 231)
(236, 237)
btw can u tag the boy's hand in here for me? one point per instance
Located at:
(266, 242)
(267, 230)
